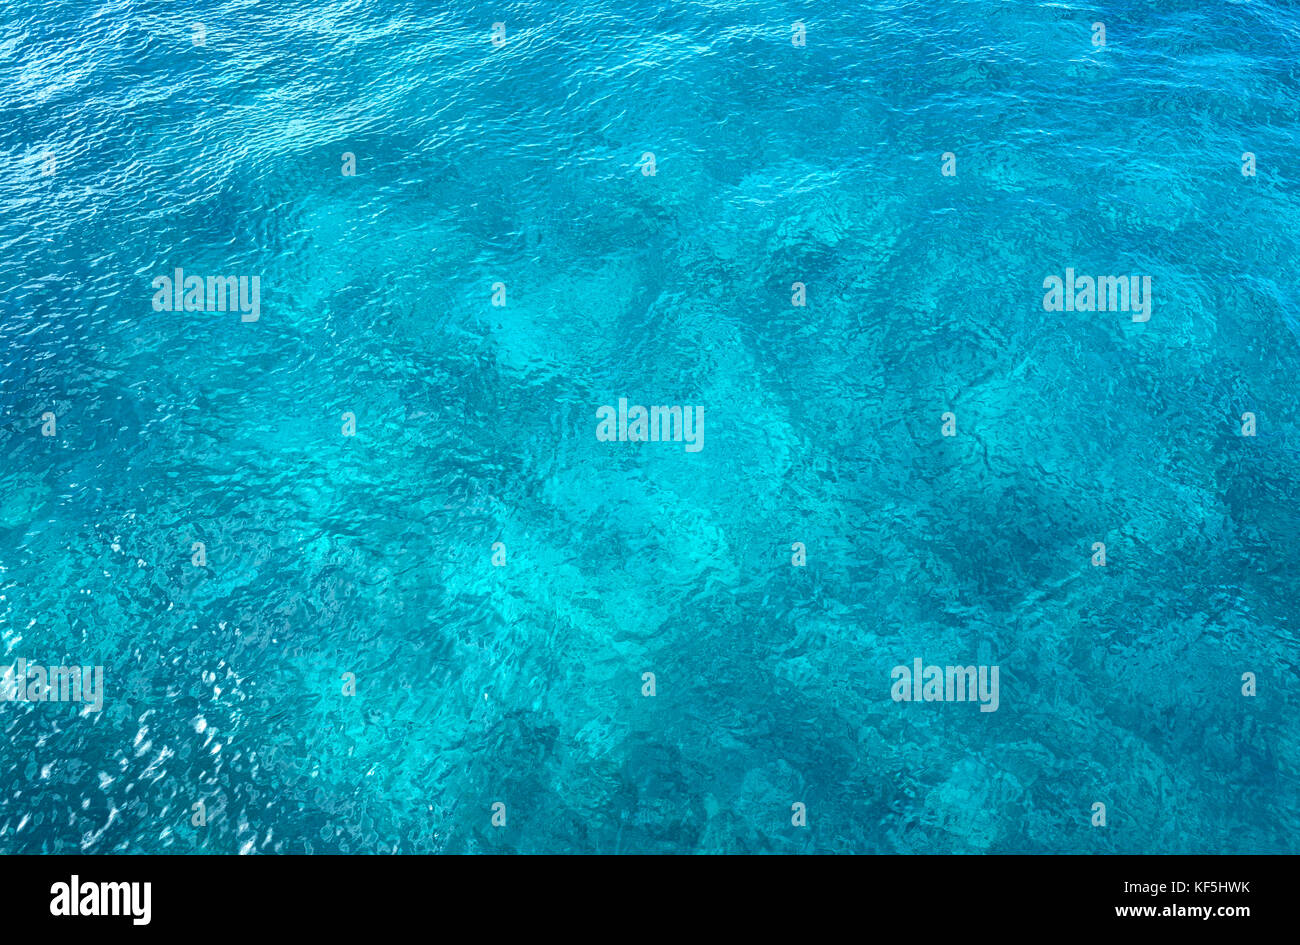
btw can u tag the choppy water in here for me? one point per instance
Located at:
(475, 424)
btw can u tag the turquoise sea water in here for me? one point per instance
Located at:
(522, 684)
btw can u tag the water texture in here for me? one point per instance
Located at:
(521, 684)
